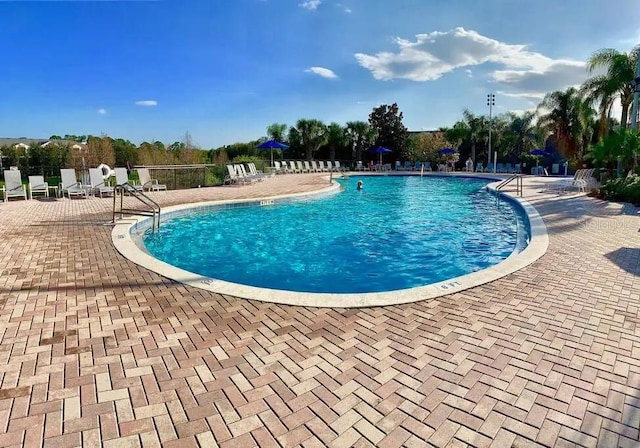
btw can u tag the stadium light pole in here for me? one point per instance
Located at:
(491, 101)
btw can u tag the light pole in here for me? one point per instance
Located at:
(491, 101)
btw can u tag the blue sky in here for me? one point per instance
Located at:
(223, 70)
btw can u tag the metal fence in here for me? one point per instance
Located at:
(177, 177)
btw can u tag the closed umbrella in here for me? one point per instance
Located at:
(272, 144)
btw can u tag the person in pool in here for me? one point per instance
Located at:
(359, 185)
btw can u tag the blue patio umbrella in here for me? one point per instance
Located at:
(272, 144)
(380, 150)
(447, 151)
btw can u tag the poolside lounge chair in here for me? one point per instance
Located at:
(13, 187)
(307, 166)
(427, 166)
(277, 169)
(489, 168)
(37, 185)
(407, 165)
(508, 168)
(500, 168)
(479, 167)
(330, 166)
(337, 166)
(253, 171)
(417, 166)
(96, 179)
(516, 168)
(69, 184)
(147, 182)
(398, 167)
(314, 167)
(582, 179)
(122, 177)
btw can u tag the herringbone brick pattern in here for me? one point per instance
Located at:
(95, 351)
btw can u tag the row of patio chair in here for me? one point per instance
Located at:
(239, 174)
(499, 168)
(306, 166)
(412, 166)
(71, 186)
(583, 181)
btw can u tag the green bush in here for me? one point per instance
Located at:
(625, 189)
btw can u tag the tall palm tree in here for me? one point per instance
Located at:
(523, 132)
(361, 136)
(617, 82)
(603, 91)
(477, 129)
(277, 131)
(569, 118)
(336, 138)
(310, 134)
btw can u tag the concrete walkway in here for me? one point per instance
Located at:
(96, 351)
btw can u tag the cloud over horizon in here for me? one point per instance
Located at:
(146, 103)
(432, 55)
(321, 71)
(311, 5)
(102, 111)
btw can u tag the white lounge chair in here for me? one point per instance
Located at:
(69, 184)
(314, 167)
(96, 177)
(122, 178)
(253, 171)
(147, 182)
(13, 187)
(37, 185)
(322, 166)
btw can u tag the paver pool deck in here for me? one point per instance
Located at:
(96, 351)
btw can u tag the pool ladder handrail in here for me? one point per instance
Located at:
(517, 177)
(153, 208)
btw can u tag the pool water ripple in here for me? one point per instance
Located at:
(399, 232)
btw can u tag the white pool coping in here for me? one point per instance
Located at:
(125, 244)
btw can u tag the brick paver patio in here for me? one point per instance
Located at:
(96, 351)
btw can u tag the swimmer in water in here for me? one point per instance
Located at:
(360, 185)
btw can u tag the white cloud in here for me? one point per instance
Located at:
(345, 8)
(435, 54)
(321, 71)
(469, 73)
(311, 5)
(102, 111)
(146, 103)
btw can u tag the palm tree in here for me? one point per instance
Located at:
(569, 117)
(600, 89)
(618, 82)
(476, 126)
(361, 135)
(336, 138)
(310, 134)
(522, 132)
(277, 131)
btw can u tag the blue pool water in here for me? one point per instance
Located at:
(399, 232)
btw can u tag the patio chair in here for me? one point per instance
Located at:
(407, 165)
(417, 166)
(13, 187)
(508, 168)
(329, 166)
(337, 166)
(277, 169)
(314, 166)
(122, 178)
(307, 166)
(489, 168)
(479, 167)
(147, 182)
(37, 185)
(69, 184)
(253, 171)
(500, 168)
(516, 168)
(579, 182)
(398, 166)
(96, 178)
(427, 166)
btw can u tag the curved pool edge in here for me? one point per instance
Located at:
(124, 243)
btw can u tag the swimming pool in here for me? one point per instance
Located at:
(399, 232)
